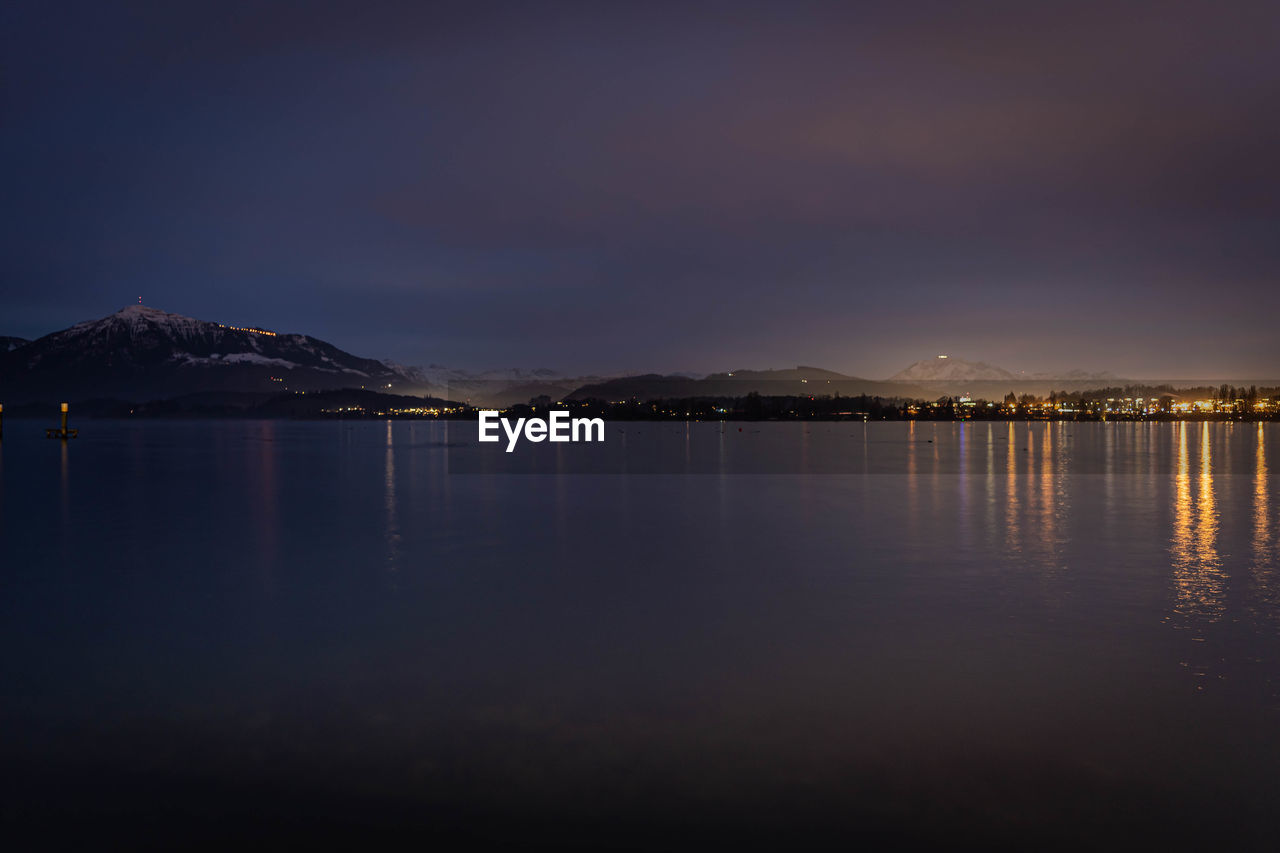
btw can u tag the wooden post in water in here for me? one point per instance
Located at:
(62, 432)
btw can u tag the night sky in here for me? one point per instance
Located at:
(605, 187)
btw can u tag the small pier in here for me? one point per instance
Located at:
(62, 432)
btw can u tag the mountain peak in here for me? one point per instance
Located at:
(140, 352)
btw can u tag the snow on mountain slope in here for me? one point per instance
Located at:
(946, 368)
(949, 368)
(141, 352)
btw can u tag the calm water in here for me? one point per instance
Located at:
(1027, 634)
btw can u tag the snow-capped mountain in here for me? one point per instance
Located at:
(948, 368)
(951, 369)
(8, 344)
(144, 353)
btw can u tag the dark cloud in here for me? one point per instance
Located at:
(660, 186)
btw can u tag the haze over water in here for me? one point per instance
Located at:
(1026, 633)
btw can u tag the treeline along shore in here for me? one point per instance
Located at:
(1137, 403)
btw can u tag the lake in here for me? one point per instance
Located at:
(1027, 634)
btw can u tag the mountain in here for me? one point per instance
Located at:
(946, 368)
(934, 378)
(951, 376)
(493, 388)
(801, 373)
(8, 344)
(794, 382)
(142, 353)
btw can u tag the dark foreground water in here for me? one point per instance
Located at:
(1024, 635)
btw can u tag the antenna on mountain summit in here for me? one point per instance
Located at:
(139, 300)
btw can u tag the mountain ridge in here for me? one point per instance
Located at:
(141, 353)
(947, 368)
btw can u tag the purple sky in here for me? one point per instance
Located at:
(598, 187)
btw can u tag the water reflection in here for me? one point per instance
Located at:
(266, 511)
(1181, 548)
(913, 484)
(64, 492)
(389, 481)
(1054, 502)
(1266, 596)
(1207, 526)
(1261, 504)
(1197, 569)
(962, 490)
(1048, 504)
(623, 616)
(64, 479)
(989, 521)
(1011, 520)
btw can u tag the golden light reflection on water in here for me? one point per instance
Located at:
(1048, 504)
(1055, 502)
(1266, 595)
(913, 487)
(1181, 548)
(989, 520)
(1261, 504)
(1011, 521)
(1207, 528)
(1199, 580)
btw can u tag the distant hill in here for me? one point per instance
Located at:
(8, 344)
(351, 402)
(950, 369)
(141, 353)
(928, 380)
(796, 381)
(495, 388)
(948, 376)
(800, 373)
(348, 402)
